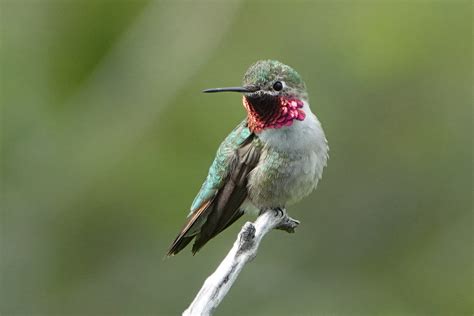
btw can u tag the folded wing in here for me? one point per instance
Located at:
(217, 204)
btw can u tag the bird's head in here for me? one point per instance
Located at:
(273, 95)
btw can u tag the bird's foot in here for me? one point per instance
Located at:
(279, 211)
(288, 224)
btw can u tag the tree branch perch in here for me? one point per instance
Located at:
(245, 248)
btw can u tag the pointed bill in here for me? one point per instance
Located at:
(231, 89)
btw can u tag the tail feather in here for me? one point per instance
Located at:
(179, 244)
(186, 234)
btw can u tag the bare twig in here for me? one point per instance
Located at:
(245, 249)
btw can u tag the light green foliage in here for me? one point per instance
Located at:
(106, 139)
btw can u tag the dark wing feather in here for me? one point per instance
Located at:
(181, 241)
(221, 196)
(226, 205)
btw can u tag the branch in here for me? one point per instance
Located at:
(245, 248)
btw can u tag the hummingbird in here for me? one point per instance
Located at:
(272, 159)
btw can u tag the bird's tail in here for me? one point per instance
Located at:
(190, 230)
(204, 224)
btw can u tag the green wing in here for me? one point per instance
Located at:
(220, 167)
(217, 204)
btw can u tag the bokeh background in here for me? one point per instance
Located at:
(106, 138)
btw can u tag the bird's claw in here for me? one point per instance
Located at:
(279, 212)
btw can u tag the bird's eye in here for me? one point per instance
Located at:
(277, 86)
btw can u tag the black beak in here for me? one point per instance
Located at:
(231, 89)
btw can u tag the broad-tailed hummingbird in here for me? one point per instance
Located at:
(272, 159)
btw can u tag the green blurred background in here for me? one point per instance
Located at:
(106, 138)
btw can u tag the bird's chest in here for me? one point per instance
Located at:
(290, 165)
(282, 179)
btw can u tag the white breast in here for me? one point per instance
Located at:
(301, 137)
(292, 162)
